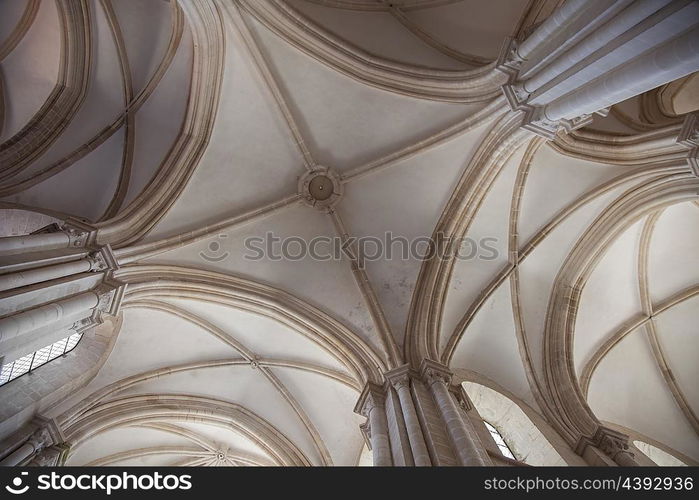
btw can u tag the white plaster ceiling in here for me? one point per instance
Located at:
(29, 72)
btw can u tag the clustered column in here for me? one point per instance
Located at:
(468, 448)
(421, 422)
(400, 380)
(55, 237)
(56, 257)
(591, 55)
(372, 406)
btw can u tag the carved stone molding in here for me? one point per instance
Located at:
(508, 60)
(433, 372)
(80, 233)
(612, 443)
(83, 324)
(103, 260)
(51, 456)
(400, 377)
(111, 294)
(373, 396)
(43, 441)
(689, 138)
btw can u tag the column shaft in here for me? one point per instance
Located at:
(417, 441)
(37, 275)
(554, 24)
(466, 448)
(670, 61)
(11, 245)
(378, 427)
(29, 320)
(18, 456)
(628, 18)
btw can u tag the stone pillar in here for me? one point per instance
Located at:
(95, 262)
(37, 275)
(69, 234)
(20, 332)
(371, 405)
(18, 456)
(689, 138)
(672, 60)
(39, 440)
(11, 245)
(53, 314)
(38, 317)
(467, 446)
(554, 24)
(608, 32)
(400, 380)
(591, 55)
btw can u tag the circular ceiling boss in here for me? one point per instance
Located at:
(320, 188)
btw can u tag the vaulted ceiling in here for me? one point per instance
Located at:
(202, 323)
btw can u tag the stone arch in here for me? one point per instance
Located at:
(173, 408)
(573, 418)
(525, 431)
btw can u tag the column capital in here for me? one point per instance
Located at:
(51, 456)
(689, 138)
(400, 377)
(47, 433)
(40, 439)
(103, 260)
(509, 61)
(371, 397)
(80, 233)
(111, 293)
(432, 371)
(534, 117)
(612, 443)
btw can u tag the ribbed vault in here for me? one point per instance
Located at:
(182, 129)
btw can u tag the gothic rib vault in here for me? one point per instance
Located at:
(147, 142)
